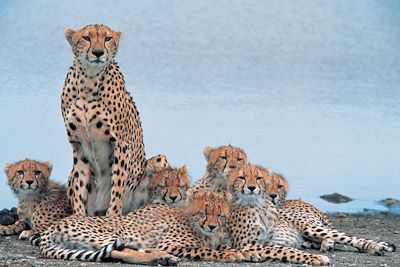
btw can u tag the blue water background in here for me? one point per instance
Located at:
(308, 88)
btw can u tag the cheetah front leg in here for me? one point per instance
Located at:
(12, 229)
(206, 254)
(79, 181)
(284, 254)
(329, 238)
(147, 257)
(119, 176)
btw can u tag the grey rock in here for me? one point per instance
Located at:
(390, 202)
(336, 198)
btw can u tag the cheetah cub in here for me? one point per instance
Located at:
(253, 217)
(154, 234)
(160, 183)
(41, 201)
(220, 161)
(299, 221)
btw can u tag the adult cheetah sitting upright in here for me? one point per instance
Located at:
(102, 122)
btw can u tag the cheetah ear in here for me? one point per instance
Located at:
(185, 169)
(7, 168)
(49, 166)
(228, 196)
(69, 34)
(206, 151)
(190, 194)
(117, 37)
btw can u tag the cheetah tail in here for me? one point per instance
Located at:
(35, 239)
(56, 251)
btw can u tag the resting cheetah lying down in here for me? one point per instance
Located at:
(41, 201)
(154, 234)
(253, 216)
(299, 221)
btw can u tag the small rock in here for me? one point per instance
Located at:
(6, 219)
(390, 202)
(336, 198)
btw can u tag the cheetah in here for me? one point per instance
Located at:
(220, 161)
(41, 200)
(299, 221)
(133, 200)
(102, 124)
(161, 184)
(154, 234)
(253, 217)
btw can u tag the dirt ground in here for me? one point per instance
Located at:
(14, 252)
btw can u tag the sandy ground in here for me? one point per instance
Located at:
(14, 252)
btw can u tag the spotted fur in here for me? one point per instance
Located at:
(41, 200)
(300, 224)
(220, 161)
(253, 217)
(156, 233)
(102, 124)
(133, 200)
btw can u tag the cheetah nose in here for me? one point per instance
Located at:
(212, 227)
(251, 188)
(173, 198)
(29, 182)
(98, 53)
(273, 196)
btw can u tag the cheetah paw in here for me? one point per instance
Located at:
(26, 234)
(319, 260)
(251, 256)
(168, 260)
(4, 230)
(327, 245)
(381, 248)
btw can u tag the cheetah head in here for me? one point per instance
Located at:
(207, 212)
(156, 163)
(28, 176)
(278, 189)
(249, 185)
(224, 159)
(95, 45)
(169, 186)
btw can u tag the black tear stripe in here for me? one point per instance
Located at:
(165, 194)
(87, 52)
(204, 222)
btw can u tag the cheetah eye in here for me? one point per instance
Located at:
(37, 173)
(241, 177)
(223, 157)
(107, 39)
(20, 172)
(87, 38)
(258, 178)
(280, 186)
(239, 159)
